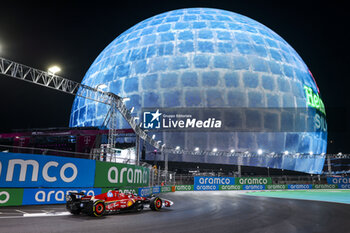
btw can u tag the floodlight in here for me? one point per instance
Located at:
(54, 69)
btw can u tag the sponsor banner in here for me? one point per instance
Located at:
(230, 187)
(120, 175)
(122, 190)
(254, 187)
(253, 180)
(344, 186)
(28, 170)
(338, 180)
(166, 189)
(11, 197)
(184, 188)
(212, 180)
(53, 196)
(144, 192)
(206, 187)
(300, 186)
(325, 186)
(276, 186)
(156, 189)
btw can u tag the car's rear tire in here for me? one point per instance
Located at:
(156, 204)
(73, 208)
(75, 212)
(98, 208)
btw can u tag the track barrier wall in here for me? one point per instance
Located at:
(53, 196)
(208, 183)
(338, 180)
(276, 186)
(11, 197)
(119, 175)
(28, 170)
(28, 179)
(184, 188)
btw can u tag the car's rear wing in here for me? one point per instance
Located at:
(75, 196)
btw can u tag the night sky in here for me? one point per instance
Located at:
(72, 35)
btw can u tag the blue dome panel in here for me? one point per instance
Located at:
(202, 57)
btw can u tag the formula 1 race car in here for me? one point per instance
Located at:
(112, 202)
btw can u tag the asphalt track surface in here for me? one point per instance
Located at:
(225, 211)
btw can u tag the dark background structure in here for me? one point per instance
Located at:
(71, 34)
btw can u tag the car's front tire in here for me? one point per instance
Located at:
(156, 204)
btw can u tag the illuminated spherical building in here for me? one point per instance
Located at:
(202, 57)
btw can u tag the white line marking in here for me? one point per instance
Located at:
(47, 214)
(21, 211)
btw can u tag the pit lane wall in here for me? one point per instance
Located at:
(29, 179)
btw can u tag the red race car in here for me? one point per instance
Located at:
(112, 202)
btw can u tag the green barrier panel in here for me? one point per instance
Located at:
(120, 175)
(123, 190)
(276, 186)
(324, 186)
(184, 187)
(11, 197)
(165, 189)
(253, 180)
(230, 187)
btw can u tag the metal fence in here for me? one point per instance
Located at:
(162, 177)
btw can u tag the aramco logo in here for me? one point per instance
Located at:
(51, 165)
(133, 175)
